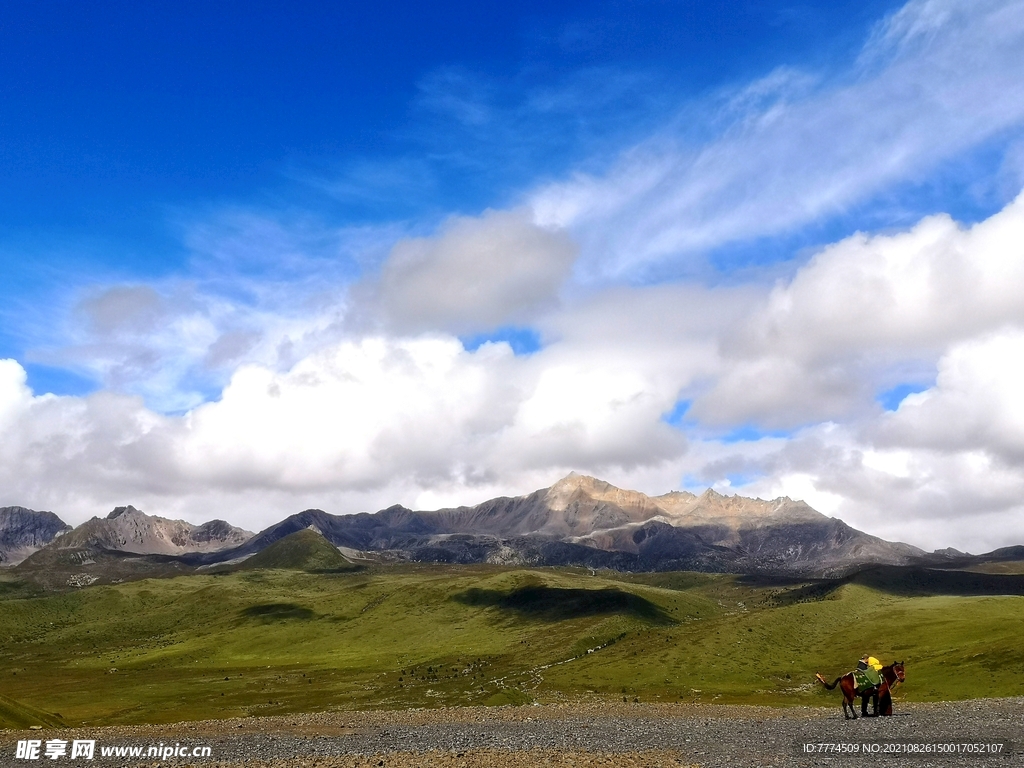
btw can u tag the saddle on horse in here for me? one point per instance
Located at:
(866, 679)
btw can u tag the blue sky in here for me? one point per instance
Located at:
(113, 113)
(123, 121)
(452, 251)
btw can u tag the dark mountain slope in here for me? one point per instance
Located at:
(24, 531)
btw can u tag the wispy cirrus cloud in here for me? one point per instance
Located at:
(260, 286)
(935, 80)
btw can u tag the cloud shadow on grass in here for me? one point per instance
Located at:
(557, 604)
(277, 612)
(902, 581)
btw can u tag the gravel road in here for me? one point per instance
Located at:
(578, 734)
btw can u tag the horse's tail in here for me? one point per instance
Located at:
(824, 682)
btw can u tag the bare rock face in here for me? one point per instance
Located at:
(713, 531)
(126, 529)
(127, 544)
(733, 512)
(24, 531)
(583, 505)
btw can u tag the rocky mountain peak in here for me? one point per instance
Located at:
(24, 531)
(118, 511)
(576, 487)
(573, 482)
(128, 529)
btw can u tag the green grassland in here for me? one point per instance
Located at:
(274, 640)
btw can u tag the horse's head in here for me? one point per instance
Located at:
(897, 668)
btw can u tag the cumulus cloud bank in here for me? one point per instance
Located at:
(864, 312)
(357, 416)
(417, 418)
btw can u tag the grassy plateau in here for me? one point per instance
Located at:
(273, 640)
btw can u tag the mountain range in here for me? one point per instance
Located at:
(579, 521)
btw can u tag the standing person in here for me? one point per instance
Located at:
(871, 669)
(868, 678)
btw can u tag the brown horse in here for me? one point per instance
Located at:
(892, 675)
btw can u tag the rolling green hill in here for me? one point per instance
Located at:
(14, 714)
(305, 550)
(278, 640)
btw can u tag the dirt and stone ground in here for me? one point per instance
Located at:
(577, 734)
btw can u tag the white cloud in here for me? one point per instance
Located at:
(930, 498)
(355, 414)
(131, 308)
(939, 302)
(475, 274)
(371, 418)
(977, 403)
(863, 312)
(14, 393)
(363, 413)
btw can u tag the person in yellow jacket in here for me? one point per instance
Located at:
(870, 668)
